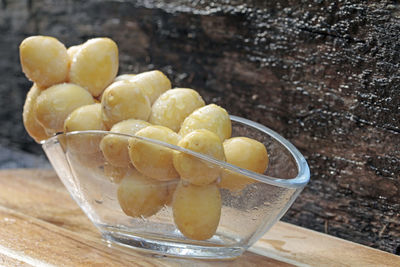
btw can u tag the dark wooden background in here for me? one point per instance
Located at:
(324, 74)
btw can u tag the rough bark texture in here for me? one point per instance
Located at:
(324, 74)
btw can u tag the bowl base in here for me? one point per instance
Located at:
(170, 248)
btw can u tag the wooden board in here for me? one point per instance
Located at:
(41, 225)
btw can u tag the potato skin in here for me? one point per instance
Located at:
(123, 100)
(245, 153)
(54, 104)
(85, 118)
(197, 210)
(114, 147)
(173, 106)
(32, 126)
(153, 160)
(95, 65)
(210, 117)
(139, 195)
(44, 60)
(192, 169)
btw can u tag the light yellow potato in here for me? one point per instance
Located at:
(122, 100)
(124, 77)
(197, 210)
(84, 118)
(44, 60)
(139, 195)
(54, 104)
(173, 106)
(245, 153)
(115, 147)
(95, 65)
(115, 174)
(32, 126)
(153, 83)
(154, 160)
(193, 169)
(210, 117)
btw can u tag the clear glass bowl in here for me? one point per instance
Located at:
(246, 214)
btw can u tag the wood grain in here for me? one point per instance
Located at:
(41, 225)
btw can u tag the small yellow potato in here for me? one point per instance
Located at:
(245, 153)
(153, 83)
(124, 77)
(44, 60)
(154, 160)
(54, 104)
(32, 126)
(197, 210)
(139, 195)
(84, 118)
(122, 100)
(173, 106)
(115, 174)
(115, 147)
(95, 65)
(195, 170)
(210, 117)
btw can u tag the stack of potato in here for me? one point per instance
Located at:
(76, 89)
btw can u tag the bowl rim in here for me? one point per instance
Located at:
(302, 178)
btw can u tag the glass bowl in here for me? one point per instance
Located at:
(247, 211)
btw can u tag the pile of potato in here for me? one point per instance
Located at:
(77, 89)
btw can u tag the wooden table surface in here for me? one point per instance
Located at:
(40, 225)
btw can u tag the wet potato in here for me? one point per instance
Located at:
(197, 210)
(245, 153)
(193, 169)
(44, 60)
(123, 100)
(173, 106)
(115, 147)
(32, 126)
(154, 160)
(54, 104)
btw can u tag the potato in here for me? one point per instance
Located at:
(114, 147)
(153, 83)
(122, 100)
(124, 77)
(54, 104)
(139, 195)
(154, 160)
(32, 126)
(197, 210)
(84, 118)
(95, 65)
(245, 153)
(193, 169)
(210, 117)
(115, 174)
(173, 106)
(44, 60)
